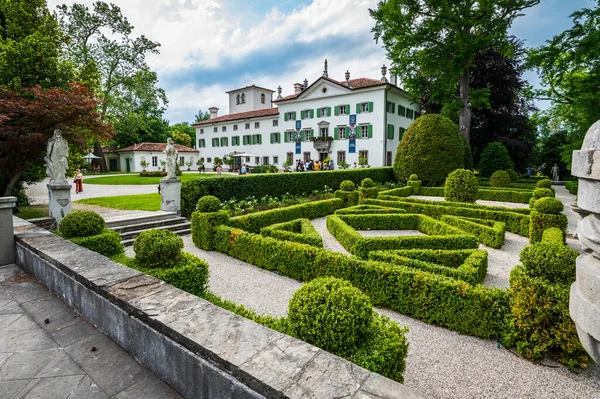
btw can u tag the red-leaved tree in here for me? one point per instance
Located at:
(28, 119)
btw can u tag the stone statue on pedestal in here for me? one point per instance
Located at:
(555, 172)
(56, 159)
(171, 165)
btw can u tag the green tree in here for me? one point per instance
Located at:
(569, 70)
(432, 44)
(201, 116)
(494, 157)
(182, 138)
(183, 128)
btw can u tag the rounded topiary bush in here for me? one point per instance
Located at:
(514, 177)
(366, 183)
(157, 248)
(500, 179)
(413, 177)
(347, 185)
(494, 157)
(549, 205)
(208, 203)
(543, 192)
(552, 261)
(461, 186)
(431, 147)
(81, 224)
(544, 183)
(330, 313)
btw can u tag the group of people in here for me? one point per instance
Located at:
(311, 165)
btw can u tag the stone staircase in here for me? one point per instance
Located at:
(129, 227)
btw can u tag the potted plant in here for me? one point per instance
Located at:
(229, 163)
(287, 166)
(162, 164)
(144, 164)
(189, 165)
(200, 165)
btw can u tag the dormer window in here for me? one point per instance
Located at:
(262, 98)
(243, 98)
(238, 99)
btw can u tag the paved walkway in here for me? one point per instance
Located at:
(49, 351)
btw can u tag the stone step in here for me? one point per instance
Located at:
(121, 221)
(129, 242)
(150, 225)
(176, 228)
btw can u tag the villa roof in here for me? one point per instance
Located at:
(354, 84)
(240, 115)
(155, 147)
(250, 87)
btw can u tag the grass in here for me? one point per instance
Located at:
(141, 202)
(33, 212)
(137, 180)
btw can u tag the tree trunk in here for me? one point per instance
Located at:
(10, 188)
(464, 119)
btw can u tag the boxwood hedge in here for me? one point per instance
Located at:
(489, 232)
(298, 230)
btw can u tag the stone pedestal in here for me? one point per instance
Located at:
(7, 243)
(59, 201)
(170, 195)
(584, 305)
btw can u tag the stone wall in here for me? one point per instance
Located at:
(201, 350)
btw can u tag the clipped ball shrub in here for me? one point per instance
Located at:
(413, 177)
(431, 147)
(157, 248)
(330, 313)
(514, 177)
(554, 262)
(81, 224)
(461, 186)
(543, 192)
(208, 203)
(494, 157)
(367, 183)
(544, 183)
(500, 178)
(107, 243)
(347, 185)
(548, 205)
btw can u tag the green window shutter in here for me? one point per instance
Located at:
(259, 137)
(348, 109)
(393, 108)
(285, 116)
(312, 133)
(301, 114)
(271, 138)
(335, 133)
(370, 106)
(336, 110)
(253, 139)
(400, 133)
(401, 111)
(370, 131)
(328, 111)
(390, 132)
(294, 115)
(312, 113)
(358, 108)
(285, 137)
(318, 112)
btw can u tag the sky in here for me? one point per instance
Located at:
(211, 46)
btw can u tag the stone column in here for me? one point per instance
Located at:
(59, 201)
(584, 303)
(170, 195)
(7, 243)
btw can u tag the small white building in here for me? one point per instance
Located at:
(131, 157)
(321, 110)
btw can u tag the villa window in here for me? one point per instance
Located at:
(201, 131)
(289, 157)
(238, 99)
(224, 128)
(341, 157)
(323, 111)
(235, 128)
(275, 123)
(215, 129)
(181, 161)
(235, 140)
(201, 143)
(363, 157)
(262, 98)
(256, 125)
(208, 160)
(224, 141)
(342, 132)
(307, 114)
(154, 161)
(391, 107)
(401, 110)
(291, 135)
(275, 160)
(257, 160)
(343, 109)
(324, 132)
(364, 107)
(265, 160)
(306, 157)
(290, 116)
(364, 131)
(243, 98)
(247, 126)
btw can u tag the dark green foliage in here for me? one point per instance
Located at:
(347, 185)
(468, 265)
(505, 195)
(543, 192)
(366, 183)
(367, 209)
(157, 248)
(571, 186)
(415, 186)
(368, 192)
(399, 192)
(550, 259)
(107, 243)
(494, 157)
(330, 313)
(514, 177)
(255, 221)
(208, 203)
(384, 349)
(157, 173)
(517, 220)
(489, 232)
(273, 184)
(542, 221)
(203, 227)
(299, 230)
(81, 224)
(544, 183)
(431, 191)
(431, 147)
(413, 177)
(549, 205)
(461, 186)
(500, 178)
(349, 198)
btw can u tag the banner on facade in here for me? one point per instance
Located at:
(352, 136)
(298, 137)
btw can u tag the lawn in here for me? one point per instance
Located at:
(141, 202)
(33, 212)
(137, 180)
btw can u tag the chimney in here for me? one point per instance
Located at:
(347, 76)
(393, 79)
(214, 112)
(279, 93)
(325, 73)
(297, 88)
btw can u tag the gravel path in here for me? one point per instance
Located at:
(329, 241)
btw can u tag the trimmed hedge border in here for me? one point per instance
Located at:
(572, 186)
(398, 192)
(274, 184)
(298, 230)
(489, 232)
(107, 243)
(311, 210)
(367, 209)
(488, 193)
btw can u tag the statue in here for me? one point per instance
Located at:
(56, 158)
(171, 165)
(555, 172)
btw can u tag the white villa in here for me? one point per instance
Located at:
(256, 133)
(131, 157)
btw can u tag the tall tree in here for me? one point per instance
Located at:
(432, 44)
(201, 116)
(28, 118)
(569, 69)
(183, 128)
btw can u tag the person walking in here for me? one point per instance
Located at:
(78, 180)
(219, 169)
